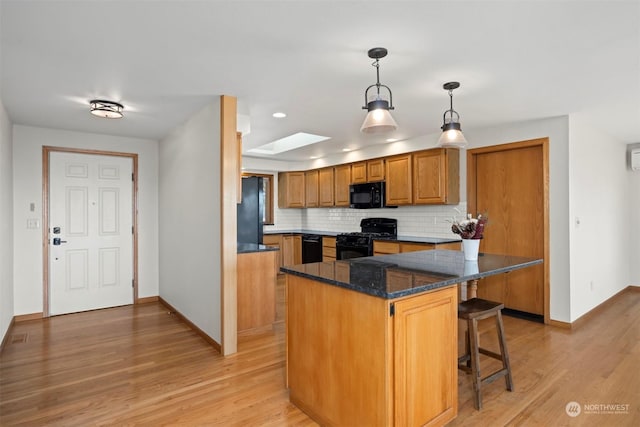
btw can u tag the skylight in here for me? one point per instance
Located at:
(288, 143)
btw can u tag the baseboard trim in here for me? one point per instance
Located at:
(582, 320)
(559, 324)
(25, 317)
(8, 334)
(147, 300)
(191, 325)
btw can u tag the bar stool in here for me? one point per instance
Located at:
(473, 310)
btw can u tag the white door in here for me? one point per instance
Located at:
(91, 215)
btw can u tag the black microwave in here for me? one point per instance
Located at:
(367, 196)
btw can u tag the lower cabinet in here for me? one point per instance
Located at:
(290, 246)
(385, 248)
(426, 380)
(291, 249)
(381, 247)
(256, 289)
(385, 362)
(328, 248)
(274, 240)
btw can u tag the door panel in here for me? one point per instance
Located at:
(90, 200)
(509, 187)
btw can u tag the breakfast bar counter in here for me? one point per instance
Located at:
(373, 340)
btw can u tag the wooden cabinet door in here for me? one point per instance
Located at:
(413, 247)
(426, 358)
(452, 246)
(311, 189)
(508, 182)
(328, 248)
(436, 177)
(375, 170)
(399, 180)
(291, 250)
(380, 247)
(342, 181)
(326, 187)
(274, 240)
(291, 190)
(359, 173)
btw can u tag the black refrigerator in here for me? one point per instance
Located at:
(251, 211)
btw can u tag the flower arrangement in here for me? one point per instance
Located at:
(470, 228)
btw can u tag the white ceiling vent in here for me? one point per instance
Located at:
(635, 159)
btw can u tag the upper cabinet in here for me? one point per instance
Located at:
(359, 173)
(291, 190)
(368, 171)
(342, 181)
(375, 170)
(326, 187)
(399, 180)
(436, 176)
(418, 178)
(311, 188)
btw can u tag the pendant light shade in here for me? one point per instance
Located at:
(378, 118)
(451, 132)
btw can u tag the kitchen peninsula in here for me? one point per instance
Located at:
(257, 271)
(373, 340)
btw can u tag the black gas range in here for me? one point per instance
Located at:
(360, 244)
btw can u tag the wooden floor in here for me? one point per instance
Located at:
(139, 365)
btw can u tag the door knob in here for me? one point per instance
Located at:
(57, 241)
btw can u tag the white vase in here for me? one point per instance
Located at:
(470, 248)
(471, 267)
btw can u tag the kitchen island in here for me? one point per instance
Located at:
(373, 340)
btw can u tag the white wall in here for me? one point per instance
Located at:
(6, 223)
(190, 220)
(599, 199)
(557, 130)
(27, 179)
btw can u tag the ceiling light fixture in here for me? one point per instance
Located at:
(106, 109)
(378, 118)
(451, 134)
(279, 115)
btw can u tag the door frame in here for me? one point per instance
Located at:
(46, 150)
(472, 202)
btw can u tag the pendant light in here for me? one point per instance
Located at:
(378, 118)
(451, 134)
(106, 109)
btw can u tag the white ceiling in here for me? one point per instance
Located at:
(164, 60)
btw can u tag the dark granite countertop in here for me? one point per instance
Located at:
(398, 275)
(245, 248)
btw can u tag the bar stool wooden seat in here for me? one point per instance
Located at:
(473, 310)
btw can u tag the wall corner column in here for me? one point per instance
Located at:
(229, 159)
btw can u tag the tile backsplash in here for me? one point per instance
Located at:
(417, 221)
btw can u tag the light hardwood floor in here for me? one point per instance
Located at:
(139, 365)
